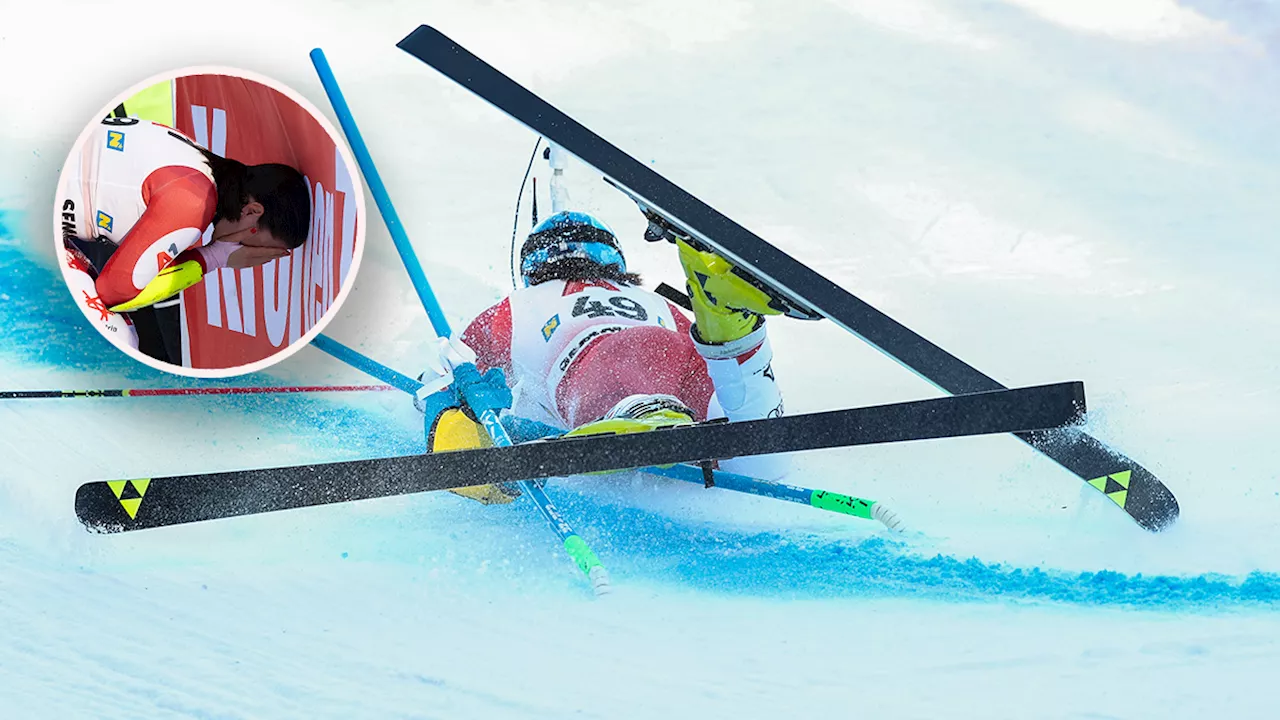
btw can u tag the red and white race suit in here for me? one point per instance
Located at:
(572, 349)
(145, 188)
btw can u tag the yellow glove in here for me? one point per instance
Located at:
(171, 281)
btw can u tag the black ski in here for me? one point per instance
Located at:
(1129, 485)
(121, 505)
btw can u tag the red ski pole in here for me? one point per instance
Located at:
(168, 392)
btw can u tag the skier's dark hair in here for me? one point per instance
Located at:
(576, 268)
(282, 191)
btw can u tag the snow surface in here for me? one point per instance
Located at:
(1049, 190)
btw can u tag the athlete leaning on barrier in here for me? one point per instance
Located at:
(134, 207)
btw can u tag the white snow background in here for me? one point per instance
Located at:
(1049, 190)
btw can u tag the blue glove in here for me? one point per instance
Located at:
(473, 393)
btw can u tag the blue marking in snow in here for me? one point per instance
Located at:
(40, 325)
(638, 544)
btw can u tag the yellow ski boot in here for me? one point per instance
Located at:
(638, 413)
(725, 306)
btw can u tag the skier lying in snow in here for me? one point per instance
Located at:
(582, 346)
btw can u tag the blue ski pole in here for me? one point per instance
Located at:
(365, 364)
(821, 499)
(379, 191)
(578, 550)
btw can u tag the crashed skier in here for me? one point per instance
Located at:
(583, 348)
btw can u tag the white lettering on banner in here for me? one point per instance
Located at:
(213, 299)
(326, 260)
(329, 251)
(219, 138)
(295, 295)
(325, 255)
(297, 278)
(211, 292)
(342, 184)
(317, 291)
(200, 124)
(230, 294)
(275, 301)
(216, 141)
(248, 298)
(308, 252)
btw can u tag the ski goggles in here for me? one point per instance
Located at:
(597, 252)
(568, 219)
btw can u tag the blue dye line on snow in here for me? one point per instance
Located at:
(40, 325)
(643, 544)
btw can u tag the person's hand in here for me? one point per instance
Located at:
(445, 355)
(251, 250)
(247, 257)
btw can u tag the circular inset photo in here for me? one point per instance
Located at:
(209, 222)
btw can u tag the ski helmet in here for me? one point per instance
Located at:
(568, 235)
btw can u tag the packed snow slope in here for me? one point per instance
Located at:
(1048, 190)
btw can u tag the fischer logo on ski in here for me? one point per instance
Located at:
(130, 494)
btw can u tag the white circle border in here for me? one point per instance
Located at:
(357, 186)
